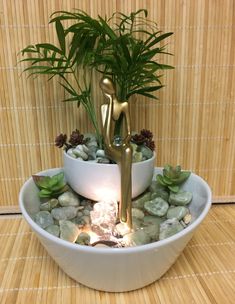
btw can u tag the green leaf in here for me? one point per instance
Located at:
(49, 46)
(69, 90)
(174, 189)
(60, 35)
(44, 193)
(158, 39)
(160, 180)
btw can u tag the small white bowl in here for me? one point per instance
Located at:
(102, 181)
(117, 269)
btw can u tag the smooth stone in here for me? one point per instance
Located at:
(137, 157)
(152, 231)
(137, 213)
(43, 219)
(70, 153)
(48, 206)
(53, 229)
(64, 213)
(181, 198)
(146, 152)
(68, 199)
(103, 160)
(160, 193)
(177, 212)
(158, 206)
(140, 200)
(169, 228)
(83, 238)
(86, 212)
(122, 229)
(80, 154)
(86, 219)
(151, 219)
(136, 238)
(68, 231)
(100, 153)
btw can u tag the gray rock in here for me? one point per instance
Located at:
(53, 229)
(68, 231)
(150, 219)
(136, 238)
(137, 157)
(140, 200)
(43, 219)
(137, 213)
(177, 212)
(103, 160)
(181, 198)
(152, 231)
(100, 153)
(169, 228)
(157, 207)
(68, 199)
(64, 213)
(146, 152)
(83, 238)
(160, 193)
(48, 206)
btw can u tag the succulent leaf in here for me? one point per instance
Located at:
(172, 177)
(50, 187)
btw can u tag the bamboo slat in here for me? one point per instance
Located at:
(204, 272)
(193, 121)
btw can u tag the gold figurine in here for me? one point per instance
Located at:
(122, 153)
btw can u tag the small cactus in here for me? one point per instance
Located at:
(50, 187)
(172, 177)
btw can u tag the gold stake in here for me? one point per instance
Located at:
(122, 153)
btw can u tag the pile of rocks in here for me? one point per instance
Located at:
(91, 152)
(156, 215)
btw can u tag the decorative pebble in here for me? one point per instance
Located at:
(146, 152)
(140, 200)
(64, 213)
(169, 228)
(48, 206)
(136, 238)
(150, 219)
(160, 193)
(177, 212)
(157, 207)
(137, 213)
(100, 153)
(102, 160)
(152, 231)
(53, 229)
(70, 153)
(187, 218)
(122, 229)
(137, 157)
(83, 238)
(68, 199)
(181, 198)
(43, 219)
(68, 231)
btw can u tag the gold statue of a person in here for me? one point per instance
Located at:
(121, 153)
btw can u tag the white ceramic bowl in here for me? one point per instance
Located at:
(98, 181)
(117, 269)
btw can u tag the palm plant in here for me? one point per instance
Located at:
(122, 47)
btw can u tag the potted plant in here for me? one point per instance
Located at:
(122, 48)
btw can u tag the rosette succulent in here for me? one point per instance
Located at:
(50, 186)
(172, 177)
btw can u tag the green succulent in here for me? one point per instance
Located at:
(50, 186)
(172, 177)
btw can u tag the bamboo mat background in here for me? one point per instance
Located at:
(204, 272)
(193, 121)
